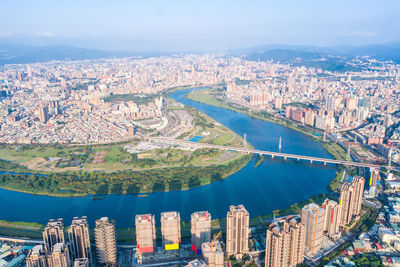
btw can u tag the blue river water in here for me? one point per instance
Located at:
(274, 184)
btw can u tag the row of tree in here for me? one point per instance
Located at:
(122, 182)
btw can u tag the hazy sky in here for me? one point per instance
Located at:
(198, 25)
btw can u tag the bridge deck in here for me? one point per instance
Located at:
(264, 152)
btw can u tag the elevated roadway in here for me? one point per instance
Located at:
(264, 152)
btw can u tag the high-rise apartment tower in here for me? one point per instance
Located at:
(351, 197)
(332, 217)
(145, 233)
(60, 256)
(237, 231)
(78, 234)
(313, 220)
(53, 233)
(106, 244)
(200, 229)
(37, 257)
(171, 230)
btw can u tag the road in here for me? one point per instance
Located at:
(263, 152)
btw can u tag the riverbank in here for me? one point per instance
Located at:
(208, 96)
(74, 184)
(71, 171)
(30, 230)
(256, 188)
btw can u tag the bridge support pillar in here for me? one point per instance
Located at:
(298, 159)
(272, 156)
(311, 161)
(285, 158)
(325, 163)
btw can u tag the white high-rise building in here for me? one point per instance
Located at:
(60, 256)
(237, 231)
(200, 229)
(313, 220)
(106, 244)
(53, 233)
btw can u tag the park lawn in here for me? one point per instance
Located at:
(235, 139)
(26, 225)
(172, 156)
(335, 183)
(335, 150)
(145, 155)
(205, 97)
(218, 134)
(28, 153)
(205, 160)
(108, 166)
(223, 139)
(10, 153)
(117, 158)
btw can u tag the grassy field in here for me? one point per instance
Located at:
(57, 158)
(207, 97)
(110, 169)
(335, 150)
(334, 185)
(22, 225)
(338, 153)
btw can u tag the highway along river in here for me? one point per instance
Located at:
(274, 184)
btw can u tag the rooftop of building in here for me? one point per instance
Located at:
(216, 247)
(143, 217)
(58, 222)
(170, 215)
(201, 214)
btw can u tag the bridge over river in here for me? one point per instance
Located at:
(263, 152)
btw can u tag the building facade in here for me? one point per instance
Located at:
(276, 246)
(145, 233)
(200, 230)
(78, 234)
(171, 231)
(37, 257)
(106, 244)
(284, 243)
(375, 177)
(213, 254)
(351, 197)
(332, 217)
(53, 233)
(60, 256)
(296, 242)
(81, 262)
(313, 220)
(237, 231)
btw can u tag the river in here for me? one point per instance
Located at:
(274, 184)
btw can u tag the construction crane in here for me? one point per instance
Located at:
(213, 240)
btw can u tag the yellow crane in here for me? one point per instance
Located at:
(213, 240)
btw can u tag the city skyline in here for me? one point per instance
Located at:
(199, 133)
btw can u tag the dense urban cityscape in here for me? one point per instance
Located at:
(199, 133)
(68, 103)
(56, 103)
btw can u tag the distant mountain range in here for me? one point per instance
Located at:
(22, 54)
(334, 58)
